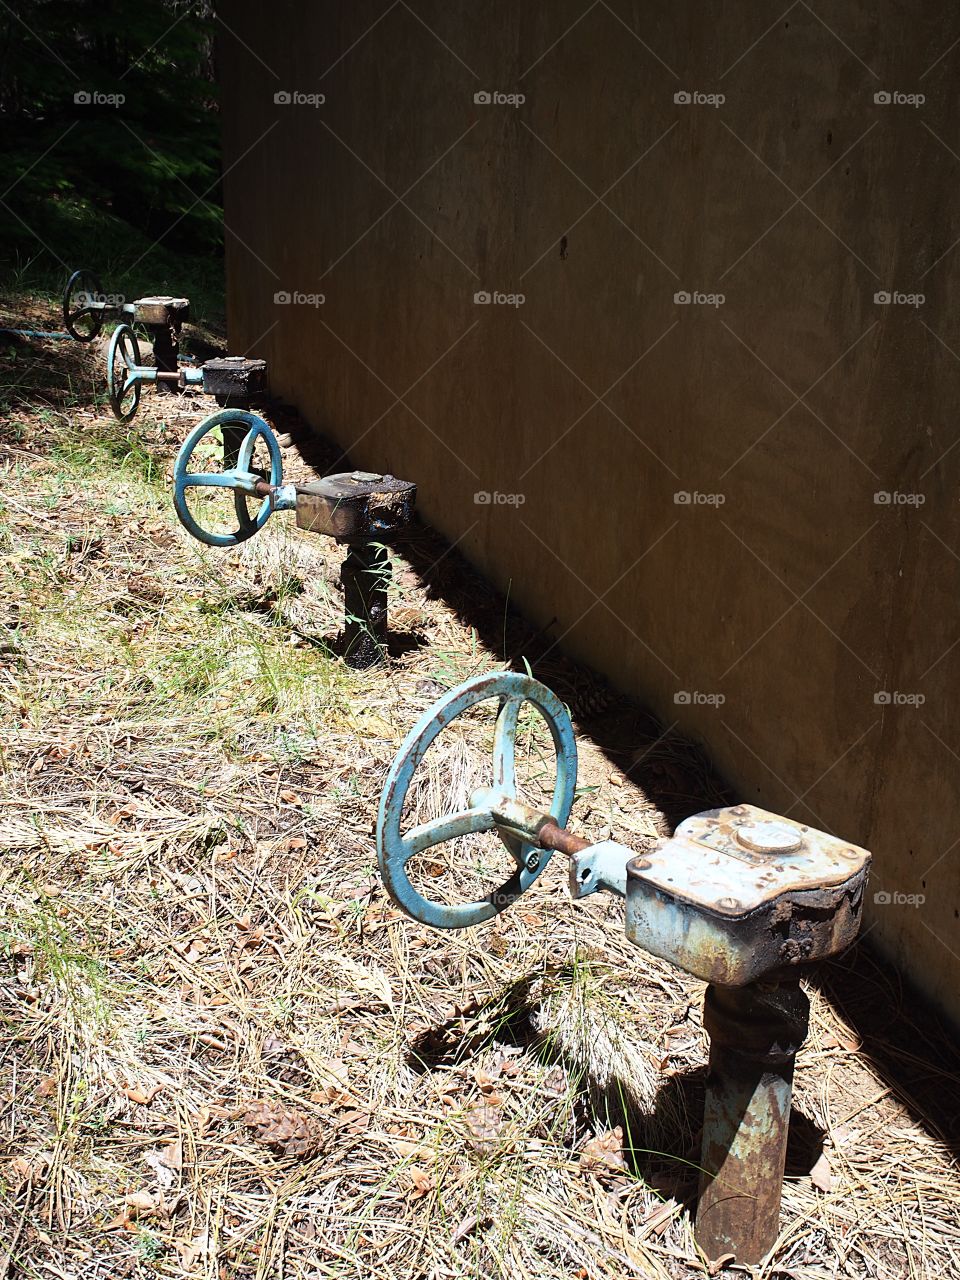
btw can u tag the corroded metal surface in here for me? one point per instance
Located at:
(365, 575)
(755, 1033)
(741, 895)
(161, 310)
(355, 504)
(234, 379)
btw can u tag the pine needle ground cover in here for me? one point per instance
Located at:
(224, 1052)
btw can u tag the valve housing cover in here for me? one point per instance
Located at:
(740, 895)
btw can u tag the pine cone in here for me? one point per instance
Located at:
(287, 1132)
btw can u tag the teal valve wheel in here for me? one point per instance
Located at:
(241, 479)
(394, 850)
(124, 373)
(82, 306)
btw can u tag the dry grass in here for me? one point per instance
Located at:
(191, 920)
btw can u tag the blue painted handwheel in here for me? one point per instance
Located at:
(82, 319)
(123, 373)
(241, 479)
(394, 850)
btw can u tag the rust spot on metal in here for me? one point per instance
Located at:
(560, 839)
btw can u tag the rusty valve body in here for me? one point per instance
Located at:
(359, 509)
(741, 898)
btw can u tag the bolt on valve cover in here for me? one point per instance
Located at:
(740, 895)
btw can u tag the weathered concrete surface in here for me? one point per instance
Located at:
(600, 398)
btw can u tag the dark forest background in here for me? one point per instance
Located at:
(109, 146)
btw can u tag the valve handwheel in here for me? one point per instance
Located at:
(394, 850)
(123, 381)
(241, 479)
(83, 321)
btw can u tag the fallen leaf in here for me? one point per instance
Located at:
(193, 1251)
(46, 1087)
(423, 1182)
(718, 1264)
(143, 1096)
(172, 1155)
(144, 1202)
(290, 797)
(821, 1175)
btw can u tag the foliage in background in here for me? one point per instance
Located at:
(109, 136)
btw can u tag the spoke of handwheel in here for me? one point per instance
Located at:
(446, 828)
(208, 480)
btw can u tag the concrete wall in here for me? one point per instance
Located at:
(799, 597)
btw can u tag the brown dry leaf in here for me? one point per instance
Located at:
(46, 1087)
(821, 1174)
(143, 1095)
(718, 1264)
(193, 1252)
(29, 1170)
(423, 1182)
(172, 1155)
(291, 797)
(145, 1202)
(604, 1153)
(842, 1040)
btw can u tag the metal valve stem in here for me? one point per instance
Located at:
(365, 574)
(755, 1032)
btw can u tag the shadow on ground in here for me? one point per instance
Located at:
(911, 1048)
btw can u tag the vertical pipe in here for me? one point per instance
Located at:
(365, 574)
(232, 440)
(166, 347)
(755, 1033)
